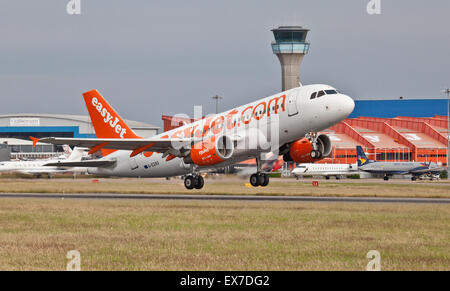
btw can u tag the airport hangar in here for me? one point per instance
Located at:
(388, 130)
(15, 130)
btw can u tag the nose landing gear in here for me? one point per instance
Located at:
(315, 153)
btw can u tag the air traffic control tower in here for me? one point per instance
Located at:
(290, 47)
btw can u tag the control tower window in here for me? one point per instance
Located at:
(298, 35)
(330, 92)
(289, 36)
(313, 95)
(320, 94)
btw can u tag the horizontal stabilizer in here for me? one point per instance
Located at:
(160, 145)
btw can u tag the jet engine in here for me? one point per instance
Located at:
(304, 151)
(211, 151)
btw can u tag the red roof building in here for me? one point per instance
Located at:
(384, 139)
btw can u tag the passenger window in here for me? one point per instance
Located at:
(320, 94)
(313, 95)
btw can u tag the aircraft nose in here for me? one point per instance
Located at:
(346, 105)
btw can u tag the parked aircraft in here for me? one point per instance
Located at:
(287, 122)
(416, 169)
(49, 167)
(325, 170)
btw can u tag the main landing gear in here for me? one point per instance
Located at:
(194, 181)
(386, 178)
(259, 178)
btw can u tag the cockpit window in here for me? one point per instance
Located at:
(330, 92)
(321, 93)
(313, 95)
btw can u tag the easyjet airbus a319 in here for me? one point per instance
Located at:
(286, 124)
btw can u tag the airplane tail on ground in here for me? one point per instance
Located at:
(361, 157)
(107, 122)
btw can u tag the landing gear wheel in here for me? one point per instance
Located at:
(264, 180)
(327, 177)
(315, 154)
(255, 180)
(189, 182)
(413, 178)
(386, 178)
(199, 182)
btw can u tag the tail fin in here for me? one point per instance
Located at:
(361, 157)
(67, 151)
(107, 123)
(76, 154)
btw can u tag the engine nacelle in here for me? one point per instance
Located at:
(211, 151)
(300, 150)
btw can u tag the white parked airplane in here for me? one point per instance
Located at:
(325, 170)
(287, 122)
(49, 167)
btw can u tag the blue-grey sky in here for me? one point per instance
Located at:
(163, 57)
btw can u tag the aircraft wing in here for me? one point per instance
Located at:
(161, 145)
(87, 163)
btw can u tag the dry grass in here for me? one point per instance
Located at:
(35, 234)
(233, 186)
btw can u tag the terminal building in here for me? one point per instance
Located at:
(15, 130)
(402, 138)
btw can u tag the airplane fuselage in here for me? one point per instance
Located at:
(394, 167)
(35, 167)
(327, 170)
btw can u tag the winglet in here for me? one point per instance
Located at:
(35, 140)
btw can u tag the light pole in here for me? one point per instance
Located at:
(217, 97)
(447, 91)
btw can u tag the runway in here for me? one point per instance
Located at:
(225, 197)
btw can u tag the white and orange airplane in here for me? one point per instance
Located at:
(285, 124)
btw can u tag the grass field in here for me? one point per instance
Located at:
(35, 234)
(232, 186)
